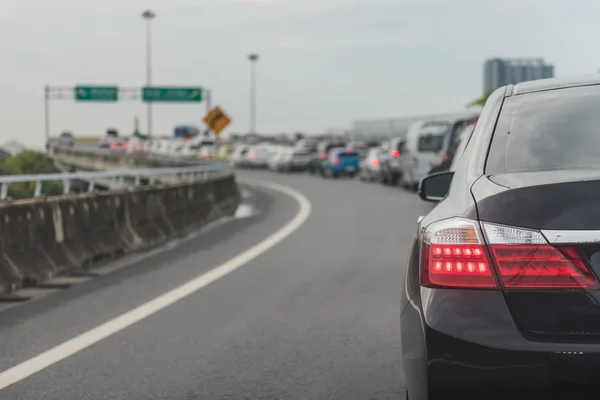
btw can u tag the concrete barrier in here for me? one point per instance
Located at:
(42, 238)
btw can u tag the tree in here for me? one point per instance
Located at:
(29, 162)
(299, 136)
(480, 101)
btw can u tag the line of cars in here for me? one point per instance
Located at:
(424, 147)
(333, 158)
(166, 146)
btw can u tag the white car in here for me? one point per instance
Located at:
(161, 146)
(189, 150)
(176, 148)
(274, 161)
(419, 150)
(238, 158)
(207, 151)
(134, 145)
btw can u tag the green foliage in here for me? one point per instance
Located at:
(480, 101)
(29, 162)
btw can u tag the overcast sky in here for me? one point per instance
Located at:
(323, 63)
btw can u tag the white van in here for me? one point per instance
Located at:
(424, 139)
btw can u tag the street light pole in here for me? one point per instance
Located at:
(253, 58)
(149, 15)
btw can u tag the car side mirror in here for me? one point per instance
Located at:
(435, 187)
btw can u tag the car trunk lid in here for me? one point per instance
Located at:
(563, 206)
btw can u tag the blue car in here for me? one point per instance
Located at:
(341, 162)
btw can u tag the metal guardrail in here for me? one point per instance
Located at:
(118, 179)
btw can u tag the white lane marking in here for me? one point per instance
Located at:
(109, 328)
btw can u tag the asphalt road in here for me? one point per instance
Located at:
(314, 317)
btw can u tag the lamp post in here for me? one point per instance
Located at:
(149, 15)
(253, 58)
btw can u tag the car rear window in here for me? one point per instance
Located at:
(556, 129)
(345, 154)
(430, 143)
(374, 152)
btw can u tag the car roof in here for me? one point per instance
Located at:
(342, 150)
(433, 129)
(555, 83)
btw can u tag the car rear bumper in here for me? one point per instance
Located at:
(296, 167)
(345, 170)
(466, 346)
(461, 369)
(394, 167)
(257, 164)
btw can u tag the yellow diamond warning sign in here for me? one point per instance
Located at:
(217, 120)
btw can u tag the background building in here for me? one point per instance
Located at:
(499, 72)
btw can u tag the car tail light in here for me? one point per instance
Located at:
(336, 160)
(396, 153)
(375, 162)
(254, 157)
(454, 255)
(324, 155)
(447, 157)
(525, 260)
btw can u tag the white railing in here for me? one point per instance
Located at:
(118, 179)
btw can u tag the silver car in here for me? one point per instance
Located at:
(257, 157)
(370, 166)
(66, 139)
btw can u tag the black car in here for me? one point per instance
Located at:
(451, 142)
(502, 297)
(446, 156)
(317, 163)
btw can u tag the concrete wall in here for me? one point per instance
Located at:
(43, 238)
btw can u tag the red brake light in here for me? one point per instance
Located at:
(455, 255)
(446, 157)
(541, 267)
(375, 162)
(336, 160)
(254, 157)
(458, 265)
(395, 153)
(324, 155)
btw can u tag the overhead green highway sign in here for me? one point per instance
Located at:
(152, 94)
(96, 93)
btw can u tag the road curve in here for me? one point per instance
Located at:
(314, 317)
